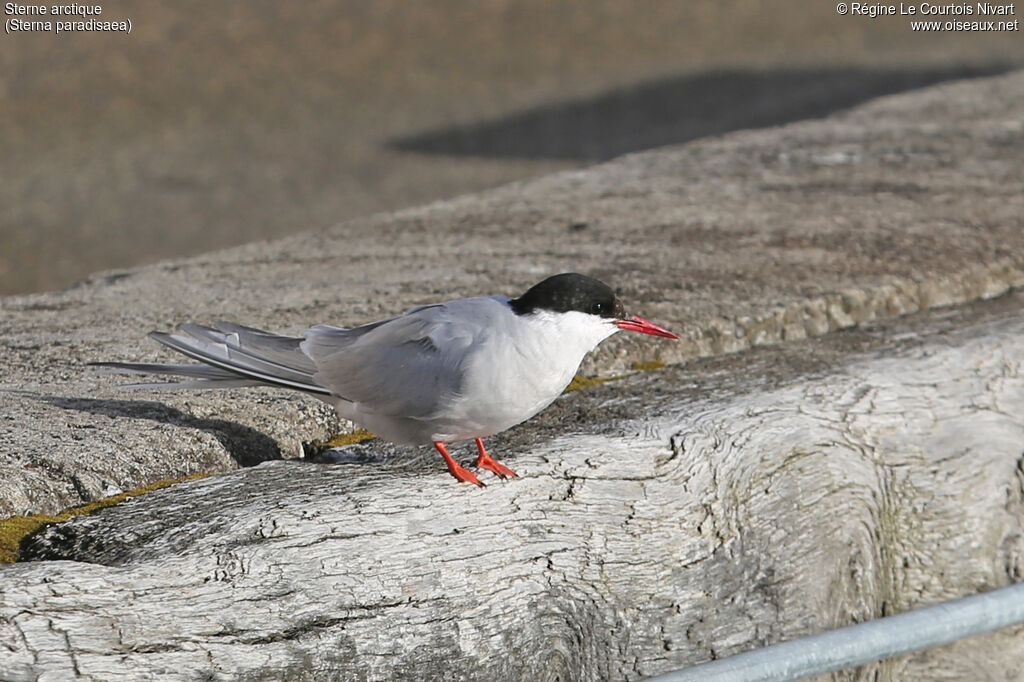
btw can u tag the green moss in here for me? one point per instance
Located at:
(14, 529)
(340, 440)
(579, 381)
(17, 528)
(647, 366)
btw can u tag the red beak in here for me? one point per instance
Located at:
(639, 324)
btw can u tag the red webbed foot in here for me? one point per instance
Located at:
(485, 461)
(460, 473)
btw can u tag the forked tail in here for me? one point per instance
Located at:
(231, 355)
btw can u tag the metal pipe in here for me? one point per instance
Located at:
(865, 642)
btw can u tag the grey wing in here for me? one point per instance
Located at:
(408, 366)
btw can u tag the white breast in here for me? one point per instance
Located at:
(518, 366)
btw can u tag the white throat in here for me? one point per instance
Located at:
(572, 334)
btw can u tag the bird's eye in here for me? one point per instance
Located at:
(598, 308)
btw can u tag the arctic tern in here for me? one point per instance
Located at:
(443, 372)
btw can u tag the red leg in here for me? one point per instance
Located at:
(484, 461)
(456, 469)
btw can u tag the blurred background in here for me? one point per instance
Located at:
(218, 123)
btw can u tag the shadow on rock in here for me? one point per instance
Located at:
(246, 445)
(676, 110)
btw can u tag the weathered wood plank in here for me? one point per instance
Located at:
(680, 515)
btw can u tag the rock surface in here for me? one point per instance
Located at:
(659, 521)
(213, 125)
(758, 237)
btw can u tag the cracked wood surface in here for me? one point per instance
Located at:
(659, 521)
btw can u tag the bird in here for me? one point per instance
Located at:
(438, 373)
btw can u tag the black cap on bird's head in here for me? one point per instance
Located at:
(574, 292)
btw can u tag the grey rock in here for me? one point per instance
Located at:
(909, 202)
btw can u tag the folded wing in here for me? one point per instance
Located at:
(409, 366)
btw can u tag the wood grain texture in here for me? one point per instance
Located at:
(722, 512)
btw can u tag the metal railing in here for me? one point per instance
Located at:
(866, 642)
